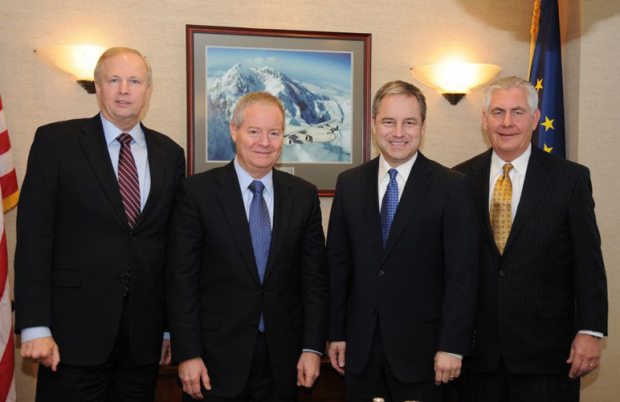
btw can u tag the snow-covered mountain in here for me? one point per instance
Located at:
(302, 106)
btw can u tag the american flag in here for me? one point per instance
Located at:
(10, 194)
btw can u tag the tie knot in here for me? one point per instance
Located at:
(256, 187)
(392, 172)
(507, 167)
(124, 138)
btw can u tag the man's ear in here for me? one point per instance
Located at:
(536, 119)
(233, 132)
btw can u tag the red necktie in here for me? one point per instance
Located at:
(128, 180)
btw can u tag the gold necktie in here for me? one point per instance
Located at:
(501, 209)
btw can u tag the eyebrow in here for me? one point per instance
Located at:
(405, 119)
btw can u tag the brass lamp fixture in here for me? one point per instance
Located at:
(77, 60)
(454, 79)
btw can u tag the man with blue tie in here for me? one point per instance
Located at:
(402, 259)
(91, 232)
(247, 285)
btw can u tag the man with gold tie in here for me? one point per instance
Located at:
(542, 307)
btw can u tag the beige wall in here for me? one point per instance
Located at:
(597, 144)
(405, 33)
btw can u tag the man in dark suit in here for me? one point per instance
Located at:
(542, 308)
(402, 262)
(90, 257)
(247, 285)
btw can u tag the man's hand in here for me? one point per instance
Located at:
(447, 367)
(192, 373)
(166, 355)
(585, 355)
(335, 351)
(42, 350)
(308, 369)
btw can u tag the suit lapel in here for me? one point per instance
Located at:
(96, 150)
(480, 171)
(282, 209)
(415, 189)
(370, 204)
(535, 186)
(231, 203)
(157, 171)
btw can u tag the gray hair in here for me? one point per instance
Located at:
(511, 82)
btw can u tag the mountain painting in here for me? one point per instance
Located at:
(315, 88)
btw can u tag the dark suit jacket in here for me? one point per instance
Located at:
(421, 289)
(550, 282)
(214, 294)
(74, 243)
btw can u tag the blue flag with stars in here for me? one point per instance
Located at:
(546, 76)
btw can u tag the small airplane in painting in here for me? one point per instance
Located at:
(322, 132)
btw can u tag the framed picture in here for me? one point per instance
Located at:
(322, 79)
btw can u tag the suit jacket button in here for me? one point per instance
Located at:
(381, 272)
(501, 272)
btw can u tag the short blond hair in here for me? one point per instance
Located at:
(115, 51)
(251, 98)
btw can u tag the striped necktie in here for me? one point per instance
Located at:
(128, 180)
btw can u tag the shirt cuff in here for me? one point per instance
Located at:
(453, 355)
(313, 351)
(31, 333)
(167, 335)
(595, 334)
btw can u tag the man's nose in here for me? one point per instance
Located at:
(507, 121)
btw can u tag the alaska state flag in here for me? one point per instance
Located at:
(546, 76)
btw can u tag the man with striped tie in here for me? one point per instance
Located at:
(91, 230)
(402, 259)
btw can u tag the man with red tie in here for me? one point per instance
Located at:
(91, 230)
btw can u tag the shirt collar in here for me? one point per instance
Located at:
(245, 179)
(111, 132)
(403, 169)
(519, 165)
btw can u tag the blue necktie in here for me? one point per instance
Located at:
(260, 231)
(389, 205)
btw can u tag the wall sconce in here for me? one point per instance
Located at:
(77, 60)
(454, 80)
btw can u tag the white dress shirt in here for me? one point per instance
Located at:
(245, 180)
(401, 178)
(517, 176)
